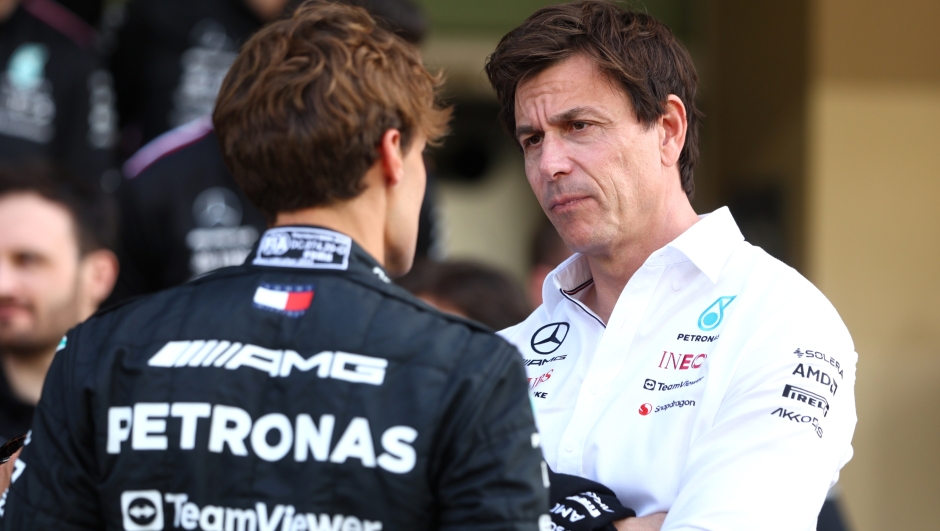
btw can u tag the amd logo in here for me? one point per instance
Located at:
(812, 373)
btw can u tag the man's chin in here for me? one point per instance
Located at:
(25, 346)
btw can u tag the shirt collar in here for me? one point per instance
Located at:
(308, 247)
(708, 244)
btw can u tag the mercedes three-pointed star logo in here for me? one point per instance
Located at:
(547, 339)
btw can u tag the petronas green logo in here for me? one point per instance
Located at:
(714, 314)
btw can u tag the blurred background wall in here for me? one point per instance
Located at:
(820, 134)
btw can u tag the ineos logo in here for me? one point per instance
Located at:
(547, 339)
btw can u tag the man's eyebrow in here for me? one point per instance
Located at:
(566, 116)
(575, 113)
(523, 130)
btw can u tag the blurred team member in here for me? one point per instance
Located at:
(56, 102)
(182, 214)
(171, 55)
(55, 268)
(468, 289)
(301, 390)
(689, 369)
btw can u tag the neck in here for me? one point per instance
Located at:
(362, 218)
(26, 374)
(614, 267)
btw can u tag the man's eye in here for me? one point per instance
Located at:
(532, 140)
(28, 259)
(578, 126)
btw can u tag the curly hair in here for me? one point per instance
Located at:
(306, 102)
(632, 48)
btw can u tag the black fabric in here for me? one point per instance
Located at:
(169, 61)
(830, 517)
(58, 108)
(579, 504)
(469, 463)
(166, 236)
(15, 415)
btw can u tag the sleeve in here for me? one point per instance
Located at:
(54, 485)
(781, 434)
(492, 475)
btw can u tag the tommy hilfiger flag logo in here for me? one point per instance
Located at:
(291, 300)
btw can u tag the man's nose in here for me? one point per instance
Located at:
(554, 161)
(7, 278)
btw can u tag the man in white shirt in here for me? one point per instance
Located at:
(671, 361)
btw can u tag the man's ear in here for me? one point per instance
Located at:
(673, 126)
(100, 272)
(392, 158)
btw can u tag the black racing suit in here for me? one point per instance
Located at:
(169, 61)
(183, 214)
(56, 100)
(299, 391)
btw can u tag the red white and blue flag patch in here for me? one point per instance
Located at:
(291, 300)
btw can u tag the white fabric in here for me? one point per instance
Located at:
(725, 456)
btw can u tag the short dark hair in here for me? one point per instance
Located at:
(401, 17)
(305, 104)
(93, 212)
(632, 48)
(481, 292)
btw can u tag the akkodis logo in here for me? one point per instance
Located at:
(714, 314)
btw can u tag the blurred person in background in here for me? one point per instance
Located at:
(182, 214)
(56, 99)
(690, 369)
(55, 269)
(388, 414)
(170, 56)
(468, 289)
(548, 250)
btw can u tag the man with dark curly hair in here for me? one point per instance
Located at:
(685, 369)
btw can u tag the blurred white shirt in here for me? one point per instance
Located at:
(721, 390)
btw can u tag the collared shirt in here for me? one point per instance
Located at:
(720, 390)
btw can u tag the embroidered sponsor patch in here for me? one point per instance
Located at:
(304, 247)
(292, 300)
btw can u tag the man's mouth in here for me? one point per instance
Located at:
(566, 202)
(8, 311)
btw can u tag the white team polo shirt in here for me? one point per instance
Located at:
(721, 389)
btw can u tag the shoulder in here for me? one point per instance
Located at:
(781, 312)
(173, 143)
(61, 28)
